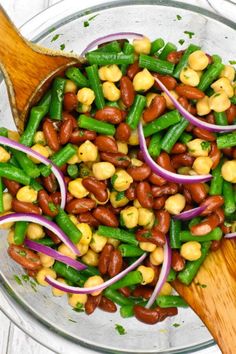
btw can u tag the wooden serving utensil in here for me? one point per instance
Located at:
(212, 295)
(28, 69)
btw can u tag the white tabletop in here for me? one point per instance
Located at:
(12, 339)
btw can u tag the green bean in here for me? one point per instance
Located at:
(154, 147)
(214, 235)
(63, 155)
(194, 221)
(13, 161)
(35, 185)
(89, 271)
(46, 241)
(64, 222)
(98, 126)
(1, 196)
(95, 84)
(107, 58)
(169, 47)
(127, 49)
(160, 66)
(156, 45)
(216, 181)
(171, 275)
(73, 171)
(127, 311)
(163, 122)
(132, 278)
(84, 170)
(27, 165)
(69, 273)
(172, 135)
(184, 60)
(228, 194)
(20, 232)
(226, 140)
(13, 173)
(113, 104)
(233, 99)
(210, 75)
(136, 111)
(36, 115)
(186, 275)
(75, 75)
(4, 132)
(118, 298)
(216, 58)
(113, 47)
(220, 118)
(165, 301)
(55, 109)
(175, 228)
(130, 251)
(119, 234)
(185, 138)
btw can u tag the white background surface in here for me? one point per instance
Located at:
(12, 339)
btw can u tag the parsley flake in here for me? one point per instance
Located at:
(176, 325)
(62, 46)
(205, 145)
(86, 23)
(79, 307)
(179, 17)
(120, 196)
(56, 37)
(113, 179)
(120, 329)
(190, 34)
(17, 279)
(52, 206)
(203, 286)
(232, 62)
(181, 41)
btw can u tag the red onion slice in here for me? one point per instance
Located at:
(189, 214)
(58, 174)
(231, 235)
(160, 171)
(195, 121)
(77, 290)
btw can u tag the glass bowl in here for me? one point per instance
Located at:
(65, 24)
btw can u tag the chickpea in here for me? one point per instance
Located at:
(7, 201)
(133, 139)
(110, 91)
(50, 151)
(147, 246)
(147, 274)
(93, 281)
(57, 292)
(4, 155)
(86, 232)
(42, 150)
(228, 171)
(76, 300)
(118, 201)
(42, 273)
(122, 180)
(175, 204)
(136, 162)
(75, 158)
(86, 96)
(219, 102)
(77, 189)
(203, 106)
(191, 250)
(110, 73)
(39, 138)
(157, 256)
(83, 108)
(10, 237)
(189, 77)
(98, 242)
(202, 165)
(122, 147)
(70, 86)
(46, 261)
(146, 218)
(137, 204)
(83, 249)
(27, 194)
(113, 241)
(90, 258)
(142, 45)
(143, 81)
(198, 60)
(103, 170)
(130, 217)
(149, 98)
(223, 84)
(228, 72)
(63, 249)
(169, 103)
(6, 225)
(198, 147)
(13, 135)
(73, 219)
(35, 232)
(88, 151)
(166, 289)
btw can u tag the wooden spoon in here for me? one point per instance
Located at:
(215, 304)
(28, 69)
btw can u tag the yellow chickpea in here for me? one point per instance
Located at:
(122, 180)
(166, 289)
(143, 81)
(223, 84)
(93, 281)
(56, 292)
(133, 139)
(88, 152)
(42, 150)
(103, 170)
(130, 217)
(203, 106)
(13, 135)
(98, 242)
(137, 204)
(136, 162)
(147, 246)
(110, 73)
(198, 60)
(146, 218)
(83, 249)
(39, 138)
(6, 225)
(46, 261)
(27, 194)
(90, 258)
(147, 274)
(86, 96)
(189, 77)
(77, 189)
(10, 237)
(86, 232)
(75, 158)
(118, 201)
(191, 250)
(142, 45)
(122, 147)
(110, 91)
(4, 155)
(169, 103)
(175, 204)
(63, 249)
(198, 147)
(228, 171)
(219, 102)
(76, 300)
(35, 232)
(202, 165)
(157, 256)
(113, 241)
(83, 108)
(7, 201)
(228, 72)
(70, 86)
(42, 273)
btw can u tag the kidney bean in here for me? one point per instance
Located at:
(133, 69)
(178, 148)
(184, 102)
(182, 160)
(189, 92)
(65, 131)
(92, 303)
(50, 134)
(108, 114)
(197, 190)
(159, 203)
(116, 211)
(234, 153)
(88, 218)
(177, 261)
(211, 203)
(157, 180)
(24, 207)
(167, 80)
(127, 91)
(130, 193)
(12, 186)
(187, 196)
(79, 206)
(25, 257)
(56, 197)
(123, 132)
(155, 110)
(107, 305)
(79, 136)
(44, 201)
(205, 226)
(164, 161)
(67, 116)
(104, 258)
(168, 189)
(125, 291)
(231, 113)
(154, 236)
(31, 273)
(106, 144)
(142, 291)
(228, 152)
(53, 236)
(50, 183)
(115, 263)
(118, 159)
(221, 215)
(163, 218)
(215, 155)
(106, 216)
(98, 188)
(152, 316)
(215, 245)
(204, 134)
(175, 56)
(210, 118)
(70, 101)
(144, 194)
(139, 173)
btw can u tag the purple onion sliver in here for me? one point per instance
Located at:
(189, 214)
(76, 290)
(231, 235)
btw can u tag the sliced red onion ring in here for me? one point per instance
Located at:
(195, 121)
(163, 274)
(231, 235)
(160, 171)
(58, 174)
(54, 254)
(38, 219)
(189, 214)
(110, 38)
(76, 290)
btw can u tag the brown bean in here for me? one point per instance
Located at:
(70, 101)
(139, 173)
(167, 80)
(79, 136)
(130, 193)
(210, 118)
(31, 273)
(127, 91)
(104, 258)
(123, 132)
(88, 218)
(228, 152)
(12, 186)
(215, 245)
(215, 155)
(56, 197)
(187, 196)
(211, 203)
(177, 261)
(50, 183)
(98, 188)
(133, 69)
(50, 134)
(157, 180)
(184, 102)
(142, 291)
(178, 148)
(175, 56)
(46, 204)
(53, 236)
(154, 236)
(125, 291)
(163, 219)
(65, 131)
(152, 316)
(164, 161)
(78, 206)
(221, 215)
(105, 216)
(106, 144)
(144, 194)
(205, 226)
(68, 116)
(189, 92)
(115, 263)
(109, 114)
(24, 207)
(25, 257)
(107, 305)
(92, 303)
(118, 159)
(197, 190)
(168, 189)
(231, 113)
(159, 203)
(204, 134)
(155, 110)
(182, 160)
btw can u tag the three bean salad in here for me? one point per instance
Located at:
(124, 177)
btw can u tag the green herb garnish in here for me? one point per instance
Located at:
(86, 23)
(120, 329)
(205, 145)
(52, 206)
(190, 34)
(17, 279)
(62, 46)
(56, 37)
(203, 286)
(113, 179)
(120, 196)
(181, 41)
(179, 17)
(176, 325)
(232, 62)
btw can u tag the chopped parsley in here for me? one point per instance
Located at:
(190, 34)
(232, 62)
(25, 277)
(113, 179)
(86, 23)
(181, 41)
(62, 46)
(52, 29)
(17, 279)
(120, 329)
(205, 145)
(52, 206)
(69, 319)
(179, 17)
(120, 196)
(79, 307)
(147, 234)
(122, 158)
(203, 286)
(22, 253)
(176, 325)
(56, 37)
(91, 18)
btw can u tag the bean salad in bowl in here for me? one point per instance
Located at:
(124, 177)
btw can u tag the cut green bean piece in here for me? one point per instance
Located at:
(20, 232)
(225, 141)
(163, 122)
(46, 241)
(154, 147)
(118, 298)
(73, 171)
(130, 251)
(55, 109)
(228, 194)
(136, 111)
(13, 173)
(216, 181)
(173, 134)
(119, 234)
(69, 273)
(214, 235)
(160, 66)
(36, 115)
(107, 58)
(127, 311)
(169, 47)
(165, 301)
(127, 49)
(63, 155)
(75, 75)
(185, 138)
(45, 101)
(65, 223)
(4, 132)
(132, 278)
(113, 47)
(98, 126)
(194, 221)
(95, 84)
(89, 271)
(184, 60)
(1, 196)
(220, 118)
(172, 275)
(35, 185)
(157, 45)
(27, 165)
(210, 75)
(175, 228)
